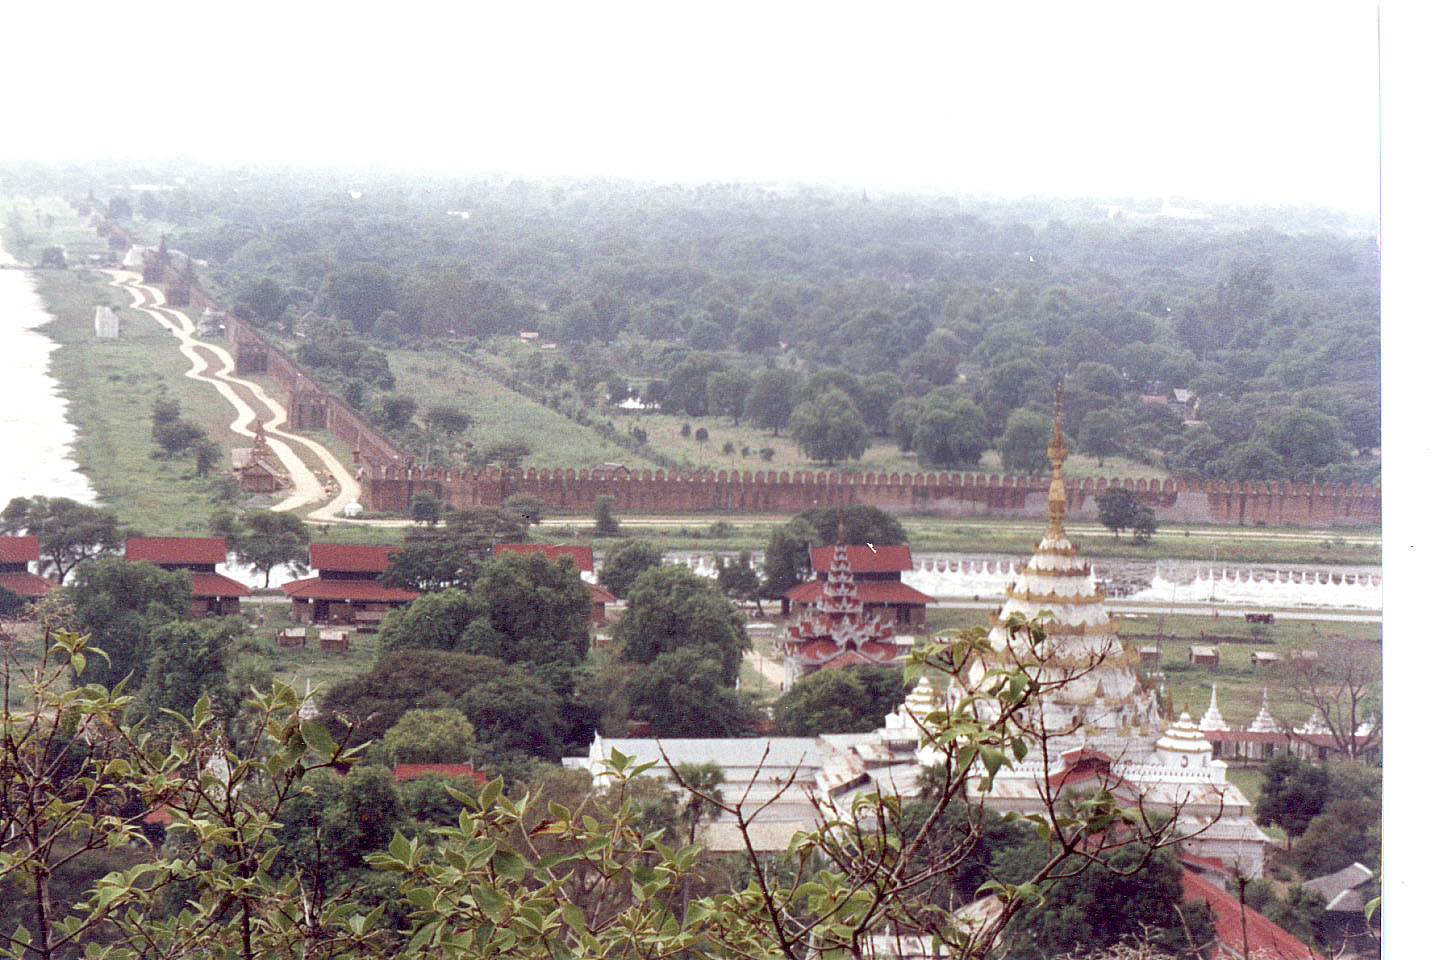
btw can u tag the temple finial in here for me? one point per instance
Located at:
(1056, 498)
(840, 526)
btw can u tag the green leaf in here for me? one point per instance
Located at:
(317, 738)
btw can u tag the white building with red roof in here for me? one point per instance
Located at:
(347, 587)
(16, 555)
(211, 593)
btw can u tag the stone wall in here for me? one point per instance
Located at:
(390, 488)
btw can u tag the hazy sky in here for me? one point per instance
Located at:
(1252, 102)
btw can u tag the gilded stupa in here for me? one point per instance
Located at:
(1101, 701)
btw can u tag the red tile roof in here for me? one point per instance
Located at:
(216, 585)
(19, 549)
(1266, 938)
(26, 584)
(318, 588)
(413, 771)
(887, 592)
(583, 556)
(176, 549)
(599, 594)
(865, 558)
(351, 558)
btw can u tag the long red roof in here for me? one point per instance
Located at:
(216, 585)
(888, 592)
(23, 549)
(26, 584)
(1266, 938)
(351, 557)
(583, 556)
(412, 771)
(865, 558)
(318, 588)
(176, 549)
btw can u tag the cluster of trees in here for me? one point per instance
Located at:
(176, 436)
(1272, 324)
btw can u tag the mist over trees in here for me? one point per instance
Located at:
(747, 303)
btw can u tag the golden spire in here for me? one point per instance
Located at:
(1056, 498)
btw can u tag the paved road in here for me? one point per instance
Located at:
(251, 404)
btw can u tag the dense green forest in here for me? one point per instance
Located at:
(940, 323)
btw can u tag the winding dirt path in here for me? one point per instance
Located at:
(251, 403)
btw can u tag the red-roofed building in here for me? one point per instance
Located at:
(876, 573)
(347, 587)
(584, 559)
(16, 555)
(1243, 932)
(211, 593)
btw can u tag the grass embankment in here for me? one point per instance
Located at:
(111, 386)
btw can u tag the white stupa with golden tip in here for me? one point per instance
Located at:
(1101, 695)
(1212, 719)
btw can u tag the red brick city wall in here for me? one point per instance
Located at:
(949, 493)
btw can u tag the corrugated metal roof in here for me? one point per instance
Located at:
(351, 557)
(176, 549)
(1266, 939)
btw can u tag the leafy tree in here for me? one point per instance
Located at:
(770, 400)
(863, 524)
(1253, 460)
(1305, 440)
(1136, 893)
(11, 603)
(605, 523)
(725, 393)
(1118, 508)
(685, 693)
(668, 608)
(1102, 433)
(830, 428)
(440, 735)
(516, 713)
(838, 701)
(433, 621)
(177, 436)
(401, 680)
(262, 301)
(878, 393)
(190, 659)
(935, 361)
(68, 532)
(949, 434)
(264, 540)
(52, 258)
(363, 816)
(425, 507)
(526, 507)
(787, 556)
(626, 561)
(530, 610)
(396, 411)
(1292, 793)
(447, 420)
(1024, 443)
(358, 294)
(737, 578)
(1341, 685)
(904, 417)
(686, 389)
(207, 455)
(509, 451)
(120, 603)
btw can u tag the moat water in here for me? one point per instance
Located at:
(35, 437)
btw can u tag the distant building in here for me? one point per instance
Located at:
(107, 325)
(347, 588)
(584, 559)
(212, 323)
(876, 571)
(16, 555)
(211, 593)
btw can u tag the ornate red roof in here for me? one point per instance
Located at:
(885, 592)
(163, 550)
(351, 557)
(834, 630)
(583, 556)
(318, 588)
(865, 558)
(24, 549)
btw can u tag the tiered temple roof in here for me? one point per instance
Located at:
(836, 631)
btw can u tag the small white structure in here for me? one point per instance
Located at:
(353, 509)
(107, 325)
(134, 258)
(212, 323)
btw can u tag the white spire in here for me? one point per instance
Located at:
(1212, 719)
(308, 709)
(1264, 722)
